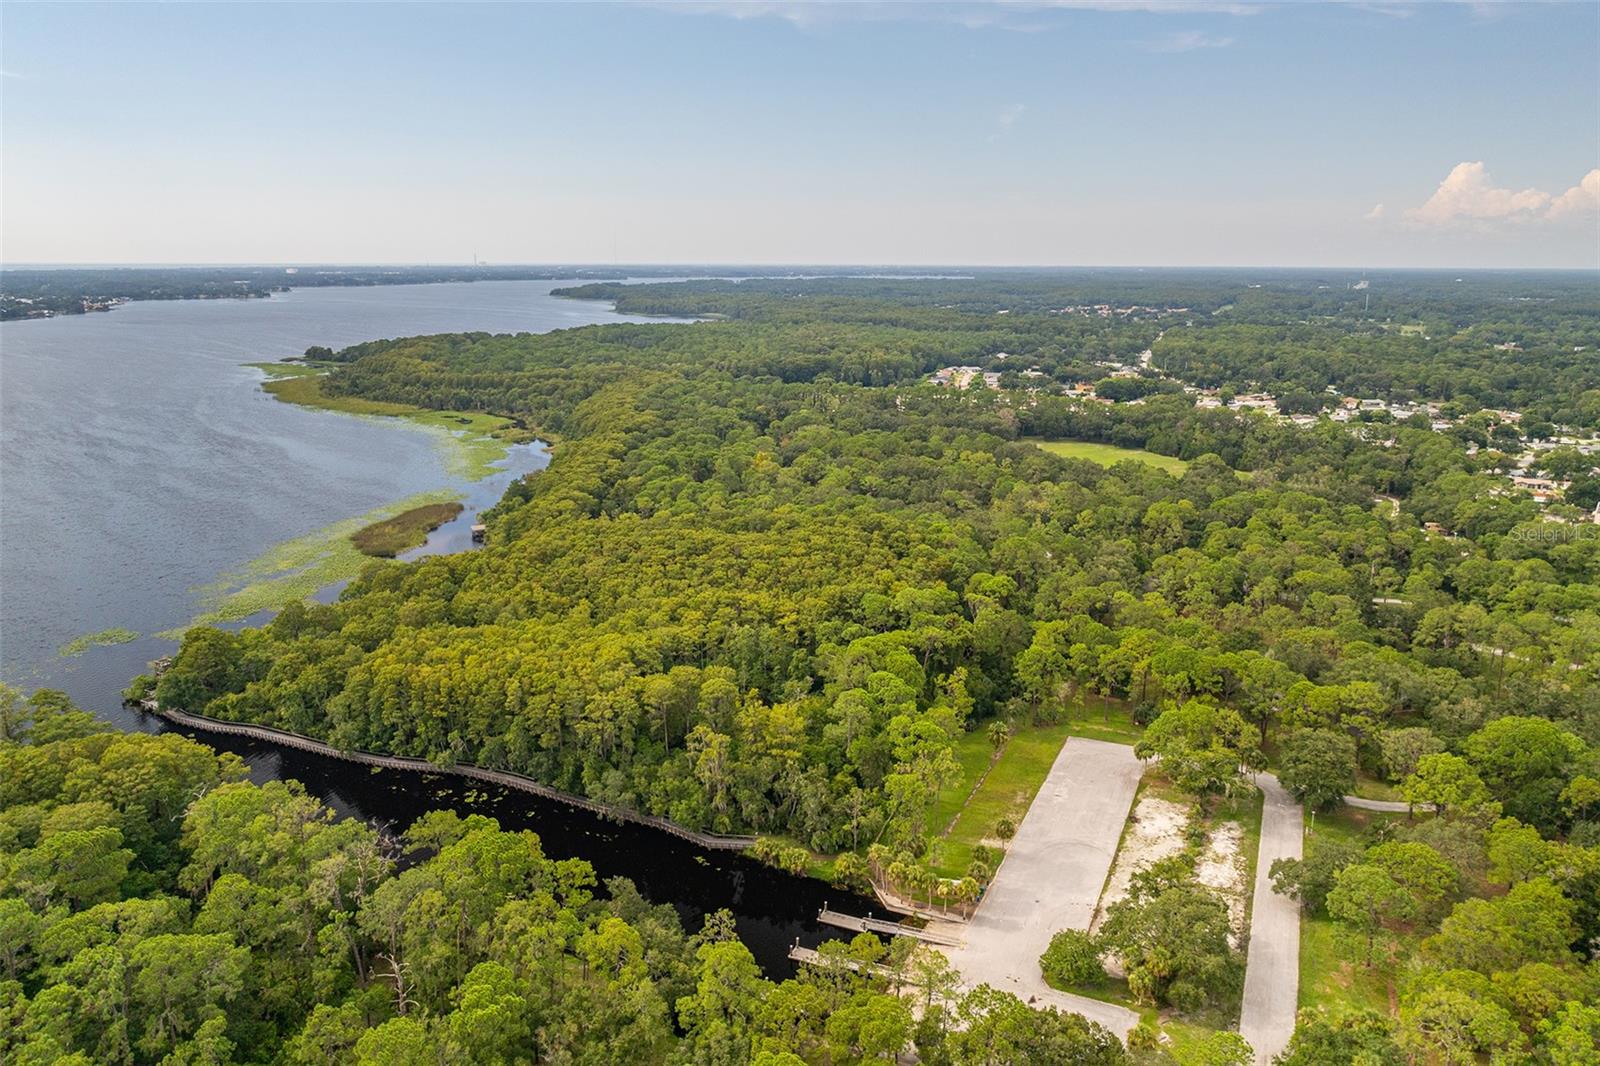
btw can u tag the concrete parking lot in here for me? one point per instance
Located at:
(1051, 878)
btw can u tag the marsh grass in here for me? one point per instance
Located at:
(391, 536)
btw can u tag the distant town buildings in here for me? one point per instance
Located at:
(1365, 415)
(964, 377)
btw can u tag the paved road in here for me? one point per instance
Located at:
(1051, 878)
(1393, 806)
(1272, 974)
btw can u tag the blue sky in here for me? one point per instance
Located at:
(1022, 133)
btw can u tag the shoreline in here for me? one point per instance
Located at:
(297, 569)
(474, 450)
(471, 442)
(382, 279)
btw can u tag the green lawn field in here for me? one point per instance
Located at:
(1110, 454)
(1007, 792)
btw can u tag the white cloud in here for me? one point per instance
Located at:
(1187, 41)
(1469, 195)
(1010, 115)
(1376, 212)
(1582, 198)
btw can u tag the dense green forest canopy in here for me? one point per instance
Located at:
(1250, 295)
(771, 575)
(1528, 341)
(762, 538)
(156, 908)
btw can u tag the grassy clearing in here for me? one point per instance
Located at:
(1110, 454)
(1347, 824)
(295, 569)
(1108, 720)
(1331, 973)
(104, 638)
(1007, 792)
(404, 531)
(471, 442)
(1184, 1036)
(1368, 787)
(973, 753)
(1185, 1042)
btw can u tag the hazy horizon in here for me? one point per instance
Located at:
(530, 264)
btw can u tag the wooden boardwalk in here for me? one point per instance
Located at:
(814, 958)
(505, 778)
(878, 925)
(962, 913)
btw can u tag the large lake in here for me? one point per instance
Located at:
(139, 459)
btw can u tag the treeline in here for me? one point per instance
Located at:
(1451, 299)
(157, 908)
(1406, 336)
(1553, 375)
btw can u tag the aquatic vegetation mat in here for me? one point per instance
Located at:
(104, 638)
(296, 569)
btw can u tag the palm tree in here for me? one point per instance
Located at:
(999, 733)
(878, 858)
(967, 890)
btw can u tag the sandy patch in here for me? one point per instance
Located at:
(1222, 867)
(1155, 831)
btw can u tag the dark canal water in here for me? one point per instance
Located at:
(771, 909)
(139, 460)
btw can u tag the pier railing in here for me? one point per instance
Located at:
(506, 778)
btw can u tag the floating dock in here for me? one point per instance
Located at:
(878, 925)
